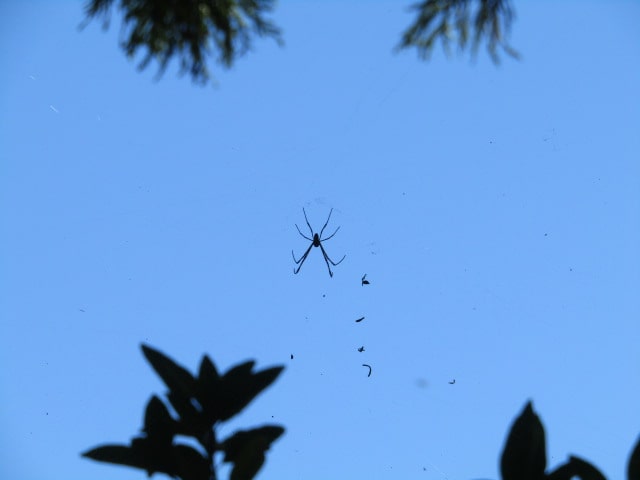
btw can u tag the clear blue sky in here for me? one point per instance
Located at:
(495, 210)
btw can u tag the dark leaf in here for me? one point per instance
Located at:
(177, 378)
(246, 449)
(118, 454)
(241, 389)
(576, 467)
(223, 399)
(208, 385)
(190, 415)
(448, 20)
(141, 454)
(182, 392)
(189, 30)
(191, 465)
(633, 469)
(154, 455)
(216, 396)
(158, 424)
(524, 455)
(208, 372)
(174, 460)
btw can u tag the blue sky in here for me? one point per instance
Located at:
(495, 210)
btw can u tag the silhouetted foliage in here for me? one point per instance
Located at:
(193, 29)
(189, 29)
(524, 456)
(447, 20)
(204, 401)
(201, 403)
(576, 467)
(633, 470)
(245, 449)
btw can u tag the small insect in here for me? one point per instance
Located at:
(360, 319)
(364, 281)
(361, 349)
(369, 366)
(316, 242)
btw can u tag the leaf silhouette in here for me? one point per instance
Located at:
(524, 456)
(576, 467)
(223, 397)
(158, 424)
(233, 393)
(247, 388)
(177, 378)
(175, 460)
(118, 454)
(208, 385)
(181, 388)
(190, 465)
(246, 449)
(190, 422)
(208, 372)
(141, 454)
(199, 403)
(633, 469)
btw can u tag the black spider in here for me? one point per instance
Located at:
(316, 242)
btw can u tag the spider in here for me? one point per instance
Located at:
(316, 242)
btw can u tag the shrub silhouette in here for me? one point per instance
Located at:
(201, 404)
(524, 456)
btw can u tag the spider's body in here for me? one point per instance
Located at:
(316, 241)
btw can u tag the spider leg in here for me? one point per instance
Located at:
(301, 260)
(310, 239)
(307, 220)
(326, 223)
(323, 239)
(304, 255)
(328, 266)
(328, 261)
(324, 253)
